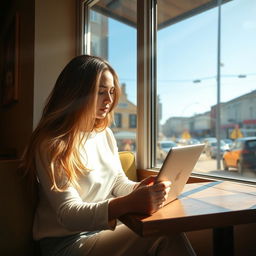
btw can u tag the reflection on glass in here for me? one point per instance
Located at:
(113, 29)
(187, 87)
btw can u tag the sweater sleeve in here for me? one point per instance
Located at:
(71, 211)
(123, 186)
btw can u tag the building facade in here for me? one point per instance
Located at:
(125, 122)
(238, 113)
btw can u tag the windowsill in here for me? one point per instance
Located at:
(241, 179)
(142, 174)
(197, 177)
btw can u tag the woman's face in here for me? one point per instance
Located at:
(105, 94)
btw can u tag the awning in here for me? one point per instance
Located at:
(125, 135)
(171, 11)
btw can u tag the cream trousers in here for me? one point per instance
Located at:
(120, 242)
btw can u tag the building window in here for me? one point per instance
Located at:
(132, 121)
(118, 120)
(95, 17)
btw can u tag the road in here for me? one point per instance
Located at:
(207, 165)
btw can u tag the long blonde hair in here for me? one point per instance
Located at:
(71, 102)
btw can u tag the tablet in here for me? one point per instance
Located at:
(177, 167)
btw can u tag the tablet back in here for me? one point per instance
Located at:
(177, 167)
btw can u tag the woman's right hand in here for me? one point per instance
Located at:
(148, 196)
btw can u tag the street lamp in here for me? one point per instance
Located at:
(218, 85)
(219, 64)
(218, 78)
(196, 81)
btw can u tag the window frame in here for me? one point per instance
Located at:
(146, 81)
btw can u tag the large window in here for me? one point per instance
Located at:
(112, 34)
(193, 68)
(192, 54)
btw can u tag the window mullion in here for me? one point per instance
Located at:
(145, 80)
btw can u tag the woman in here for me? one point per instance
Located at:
(82, 188)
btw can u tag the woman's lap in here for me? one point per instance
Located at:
(120, 242)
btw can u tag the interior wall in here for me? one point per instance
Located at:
(47, 42)
(55, 45)
(16, 118)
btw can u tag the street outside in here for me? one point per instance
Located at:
(206, 165)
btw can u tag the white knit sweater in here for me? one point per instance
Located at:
(85, 209)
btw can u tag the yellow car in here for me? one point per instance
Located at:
(241, 155)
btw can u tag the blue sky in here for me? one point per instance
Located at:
(188, 51)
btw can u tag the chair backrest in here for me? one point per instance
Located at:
(17, 211)
(128, 163)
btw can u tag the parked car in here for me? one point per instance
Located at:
(241, 155)
(206, 141)
(163, 148)
(211, 148)
(193, 141)
(229, 142)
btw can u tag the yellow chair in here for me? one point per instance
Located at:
(127, 159)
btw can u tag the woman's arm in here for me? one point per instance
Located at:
(147, 198)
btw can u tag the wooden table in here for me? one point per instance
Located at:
(215, 205)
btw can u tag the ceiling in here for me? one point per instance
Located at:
(171, 11)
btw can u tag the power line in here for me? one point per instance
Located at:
(195, 80)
